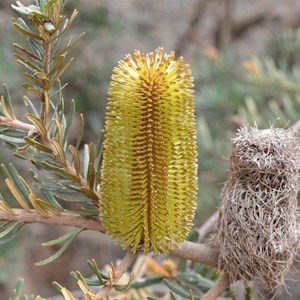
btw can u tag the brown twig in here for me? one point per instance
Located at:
(65, 219)
(47, 59)
(117, 273)
(196, 252)
(217, 290)
(208, 225)
(16, 124)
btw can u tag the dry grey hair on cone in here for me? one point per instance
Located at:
(258, 228)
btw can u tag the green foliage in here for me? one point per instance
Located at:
(43, 140)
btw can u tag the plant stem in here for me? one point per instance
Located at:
(117, 273)
(196, 252)
(65, 219)
(16, 124)
(217, 290)
(47, 58)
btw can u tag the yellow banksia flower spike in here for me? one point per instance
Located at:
(149, 171)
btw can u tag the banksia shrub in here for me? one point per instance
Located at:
(149, 171)
(258, 229)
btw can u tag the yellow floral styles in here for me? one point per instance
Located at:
(149, 171)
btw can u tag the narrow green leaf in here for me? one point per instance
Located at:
(91, 169)
(36, 47)
(69, 119)
(61, 250)
(71, 20)
(177, 289)
(6, 208)
(33, 90)
(18, 290)
(26, 32)
(49, 196)
(69, 175)
(12, 140)
(26, 52)
(57, 286)
(124, 287)
(51, 166)
(59, 63)
(38, 145)
(45, 79)
(86, 159)
(19, 181)
(8, 100)
(28, 64)
(76, 158)
(48, 207)
(205, 282)
(94, 268)
(38, 124)
(16, 193)
(43, 5)
(58, 91)
(62, 70)
(71, 199)
(80, 132)
(60, 151)
(34, 80)
(91, 176)
(5, 110)
(59, 131)
(89, 193)
(13, 132)
(189, 277)
(63, 238)
(38, 208)
(30, 107)
(10, 232)
(71, 44)
(99, 145)
(88, 281)
(49, 5)
(144, 282)
(5, 172)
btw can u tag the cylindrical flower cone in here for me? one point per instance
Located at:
(149, 172)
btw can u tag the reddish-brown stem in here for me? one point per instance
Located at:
(47, 58)
(217, 290)
(196, 252)
(65, 219)
(16, 124)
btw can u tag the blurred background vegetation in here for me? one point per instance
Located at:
(245, 62)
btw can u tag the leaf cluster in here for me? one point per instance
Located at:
(68, 184)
